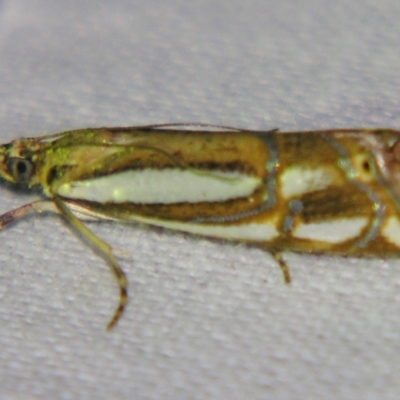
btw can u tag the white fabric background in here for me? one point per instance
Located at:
(206, 320)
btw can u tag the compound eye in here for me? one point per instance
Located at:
(20, 168)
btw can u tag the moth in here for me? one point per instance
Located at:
(329, 191)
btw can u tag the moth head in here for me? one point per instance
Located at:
(15, 166)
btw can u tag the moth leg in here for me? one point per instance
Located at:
(105, 250)
(84, 214)
(284, 267)
(36, 206)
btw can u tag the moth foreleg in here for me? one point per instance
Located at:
(38, 206)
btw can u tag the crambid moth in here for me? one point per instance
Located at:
(332, 191)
